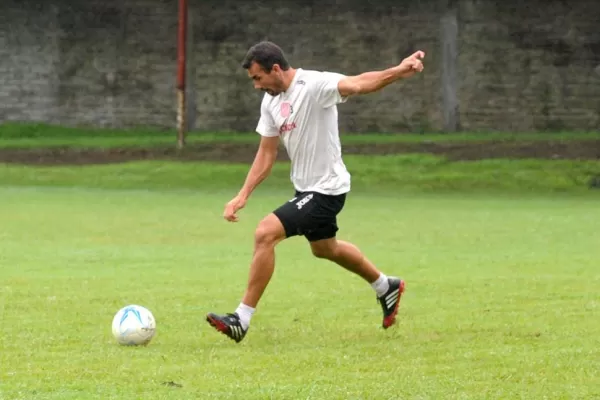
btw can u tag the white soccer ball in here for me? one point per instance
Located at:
(133, 325)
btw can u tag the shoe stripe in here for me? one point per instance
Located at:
(393, 296)
(390, 295)
(392, 300)
(235, 331)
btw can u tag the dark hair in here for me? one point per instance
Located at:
(266, 54)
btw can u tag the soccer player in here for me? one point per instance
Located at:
(299, 109)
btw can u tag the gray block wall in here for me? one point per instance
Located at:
(521, 66)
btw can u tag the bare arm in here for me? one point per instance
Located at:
(261, 166)
(373, 81)
(260, 169)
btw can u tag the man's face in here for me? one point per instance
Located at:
(270, 82)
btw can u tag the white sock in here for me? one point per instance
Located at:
(381, 285)
(245, 313)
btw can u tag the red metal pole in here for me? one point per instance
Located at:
(181, 63)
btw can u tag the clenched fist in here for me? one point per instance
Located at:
(412, 64)
(231, 208)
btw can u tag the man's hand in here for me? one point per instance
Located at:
(231, 208)
(412, 64)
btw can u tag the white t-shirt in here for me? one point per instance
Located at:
(306, 119)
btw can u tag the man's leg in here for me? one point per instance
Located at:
(269, 232)
(388, 289)
(346, 255)
(320, 228)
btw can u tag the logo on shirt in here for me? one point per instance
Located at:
(287, 128)
(286, 109)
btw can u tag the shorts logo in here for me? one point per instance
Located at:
(303, 201)
(286, 109)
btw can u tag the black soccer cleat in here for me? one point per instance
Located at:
(228, 324)
(390, 301)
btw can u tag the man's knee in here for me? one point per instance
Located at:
(269, 231)
(324, 249)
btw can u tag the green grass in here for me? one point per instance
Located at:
(22, 135)
(381, 174)
(502, 298)
(502, 272)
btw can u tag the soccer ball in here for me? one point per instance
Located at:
(133, 325)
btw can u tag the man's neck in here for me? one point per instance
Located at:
(288, 78)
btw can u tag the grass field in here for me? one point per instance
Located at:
(502, 299)
(500, 257)
(373, 174)
(44, 135)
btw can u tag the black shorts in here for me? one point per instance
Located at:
(311, 214)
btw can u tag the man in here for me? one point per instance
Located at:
(299, 108)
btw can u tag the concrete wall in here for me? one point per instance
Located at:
(113, 63)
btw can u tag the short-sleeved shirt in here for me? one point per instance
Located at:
(306, 119)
